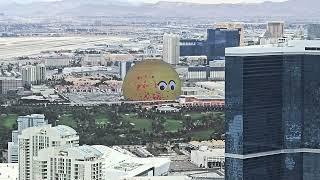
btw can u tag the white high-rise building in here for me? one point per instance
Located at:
(171, 48)
(40, 73)
(33, 74)
(24, 122)
(124, 68)
(276, 29)
(34, 139)
(29, 74)
(68, 163)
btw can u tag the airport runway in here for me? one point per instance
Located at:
(27, 46)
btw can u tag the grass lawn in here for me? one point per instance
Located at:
(102, 119)
(196, 116)
(201, 135)
(173, 125)
(8, 120)
(67, 119)
(140, 123)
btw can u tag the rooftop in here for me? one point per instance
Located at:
(9, 171)
(10, 78)
(210, 143)
(126, 165)
(83, 152)
(65, 130)
(38, 116)
(292, 47)
(159, 178)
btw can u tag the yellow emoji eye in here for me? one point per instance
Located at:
(172, 85)
(162, 85)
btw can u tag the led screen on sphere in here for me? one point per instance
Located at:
(152, 80)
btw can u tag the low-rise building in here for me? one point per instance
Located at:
(215, 144)
(118, 165)
(207, 157)
(42, 90)
(93, 60)
(57, 61)
(119, 57)
(201, 101)
(94, 86)
(205, 73)
(10, 84)
(167, 109)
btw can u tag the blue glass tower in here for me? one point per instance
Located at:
(214, 47)
(218, 40)
(273, 113)
(192, 47)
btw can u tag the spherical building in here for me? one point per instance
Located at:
(151, 80)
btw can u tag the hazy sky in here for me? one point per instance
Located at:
(154, 1)
(210, 1)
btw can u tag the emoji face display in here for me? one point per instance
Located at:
(151, 80)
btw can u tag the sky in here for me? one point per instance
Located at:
(154, 1)
(210, 1)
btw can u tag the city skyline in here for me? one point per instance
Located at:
(184, 89)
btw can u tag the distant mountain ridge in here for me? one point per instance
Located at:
(290, 8)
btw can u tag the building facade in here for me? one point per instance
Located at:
(272, 97)
(8, 84)
(206, 157)
(218, 40)
(58, 61)
(231, 25)
(275, 29)
(40, 73)
(214, 46)
(93, 60)
(29, 74)
(192, 47)
(171, 48)
(205, 73)
(24, 122)
(68, 163)
(34, 139)
(313, 31)
(33, 74)
(124, 68)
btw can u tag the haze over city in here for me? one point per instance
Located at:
(155, 1)
(159, 89)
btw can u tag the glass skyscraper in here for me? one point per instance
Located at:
(192, 47)
(218, 40)
(273, 112)
(214, 47)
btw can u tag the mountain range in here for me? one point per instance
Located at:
(290, 8)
